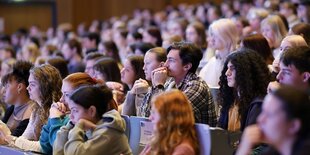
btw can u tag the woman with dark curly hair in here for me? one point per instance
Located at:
(243, 85)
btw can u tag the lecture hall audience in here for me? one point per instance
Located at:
(149, 53)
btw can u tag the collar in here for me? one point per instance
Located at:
(188, 77)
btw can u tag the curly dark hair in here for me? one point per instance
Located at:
(252, 78)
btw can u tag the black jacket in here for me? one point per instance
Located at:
(19, 130)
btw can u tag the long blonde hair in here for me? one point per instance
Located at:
(30, 52)
(226, 30)
(277, 26)
(176, 123)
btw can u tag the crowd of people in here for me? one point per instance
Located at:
(65, 91)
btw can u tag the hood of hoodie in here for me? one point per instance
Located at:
(113, 120)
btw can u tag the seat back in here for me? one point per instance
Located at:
(11, 151)
(136, 142)
(203, 135)
(223, 142)
(127, 121)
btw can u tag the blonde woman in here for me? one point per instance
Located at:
(173, 120)
(30, 52)
(273, 29)
(255, 16)
(223, 37)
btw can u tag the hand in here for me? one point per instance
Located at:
(247, 30)
(118, 96)
(115, 85)
(272, 86)
(140, 86)
(86, 124)
(57, 110)
(276, 66)
(159, 76)
(251, 136)
(2, 138)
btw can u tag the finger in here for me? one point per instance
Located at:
(63, 108)
(54, 105)
(144, 81)
(159, 69)
(137, 82)
(60, 105)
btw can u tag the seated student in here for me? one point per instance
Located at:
(223, 38)
(132, 71)
(141, 48)
(302, 29)
(92, 128)
(152, 35)
(283, 124)
(243, 86)
(59, 63)
(141, 92)
(303, 11)
(174, 121)
(106, 69)
(44, 88)
(109, 49)
(7, 52)
(288, 42)
(274, 30)
(90, 60)
(58, 112)
(294, 69)
(15, 93)
(90, 42)
(259, 44)
(72, 52)
(181, 65)
(6, 66)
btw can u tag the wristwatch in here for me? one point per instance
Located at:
(160, 86)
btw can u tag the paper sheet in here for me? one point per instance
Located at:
(146, 133)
